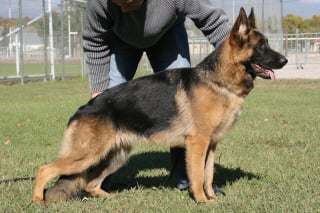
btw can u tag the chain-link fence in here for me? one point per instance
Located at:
(49, 46)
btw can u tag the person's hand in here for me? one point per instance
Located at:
(92, 95)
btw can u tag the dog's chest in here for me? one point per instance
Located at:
(231, 111)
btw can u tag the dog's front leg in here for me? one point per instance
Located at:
(196, 148)
(209, 171)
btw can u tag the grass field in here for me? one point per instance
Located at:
(70, 70)
(270, 161)
(38, 69)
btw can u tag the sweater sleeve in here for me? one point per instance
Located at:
(96, 39)
(213, 22)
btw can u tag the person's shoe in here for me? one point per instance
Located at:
(218, 190)
(178, 180)
(182, 184)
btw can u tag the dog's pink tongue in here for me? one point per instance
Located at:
(272, 75)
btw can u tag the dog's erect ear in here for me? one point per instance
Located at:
(252, 19)
(240, 28)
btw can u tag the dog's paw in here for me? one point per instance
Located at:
(38, 201)
(218, 190)
(206, 201)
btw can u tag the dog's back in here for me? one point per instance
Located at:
(142, 106)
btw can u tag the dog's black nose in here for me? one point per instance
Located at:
(283, 61)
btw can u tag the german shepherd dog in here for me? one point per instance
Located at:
(188, 107)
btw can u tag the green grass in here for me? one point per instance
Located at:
(70, 69)
(39, 69)
(269, 162)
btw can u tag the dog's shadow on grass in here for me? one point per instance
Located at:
(138, 172)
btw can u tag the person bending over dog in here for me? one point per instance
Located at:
(118, 32)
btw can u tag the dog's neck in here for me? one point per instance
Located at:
(223, 68)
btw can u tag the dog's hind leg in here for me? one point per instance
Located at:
(86, 142)
(209, 172)
(90, 181)
(115, 159)
(62, 166)
(196, 148)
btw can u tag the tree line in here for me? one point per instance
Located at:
(292, 23)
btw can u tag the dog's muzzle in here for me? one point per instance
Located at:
(263, 72)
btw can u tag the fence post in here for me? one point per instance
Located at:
(45, 41)
(51, 41)
(297, 47)
(62, 42)
(21, 71)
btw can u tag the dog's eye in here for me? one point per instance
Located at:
(262, 43)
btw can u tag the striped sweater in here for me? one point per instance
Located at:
(141, 28)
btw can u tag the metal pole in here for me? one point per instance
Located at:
(233, 12)
(297, 47)
(10, 39)
(21, 71)
(62, 42)
(281, 14)
(45, 41)
(51, 41)
(69, 31)
(284, 31)
(17, 54)
(82, 54)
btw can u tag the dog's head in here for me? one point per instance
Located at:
(255, 52)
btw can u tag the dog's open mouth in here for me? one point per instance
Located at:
(263, 72)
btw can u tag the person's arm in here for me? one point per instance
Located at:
(96, 45)
(212, 21)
